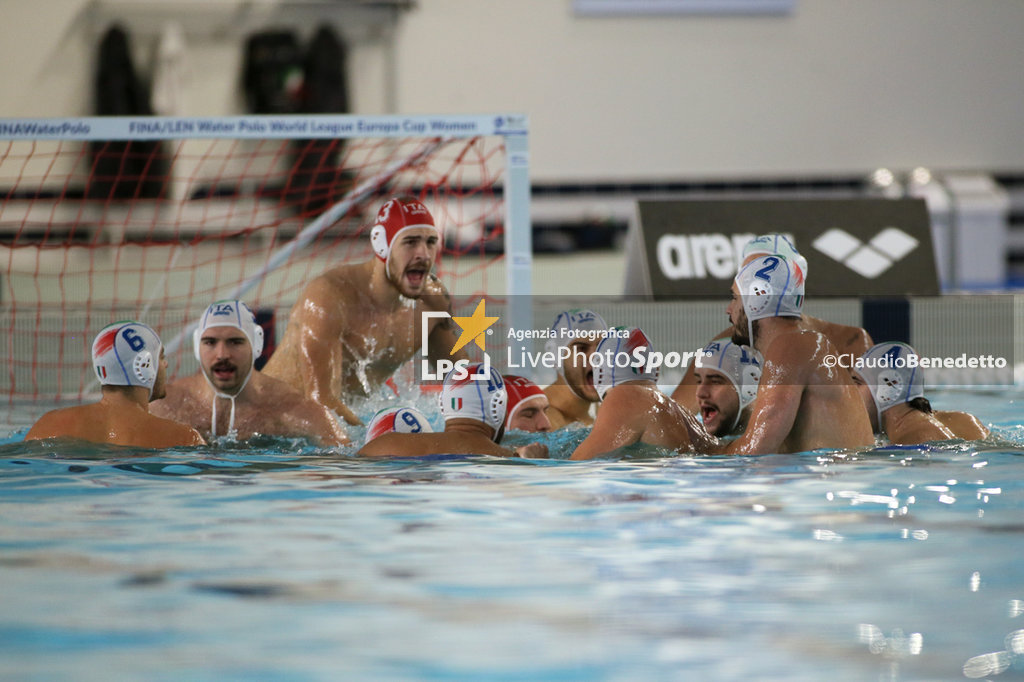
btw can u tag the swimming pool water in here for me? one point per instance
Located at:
(275, 561)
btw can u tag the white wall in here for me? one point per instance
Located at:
(834, 87)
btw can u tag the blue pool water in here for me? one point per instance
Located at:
(275, 561)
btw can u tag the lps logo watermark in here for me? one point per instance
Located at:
(868, 260)
(474, 328)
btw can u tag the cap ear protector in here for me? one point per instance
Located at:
(615, 359)
(887, 371)
(379, 241)
(230, 313)
(890, 388)
(145, 369)
(463, 396)
(740, 364)
(750, 379)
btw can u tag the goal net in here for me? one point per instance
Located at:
(154, 218)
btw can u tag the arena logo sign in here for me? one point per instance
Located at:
(699, 256)
(474, 328)
(692, 248)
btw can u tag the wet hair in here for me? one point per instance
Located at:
(921, 404)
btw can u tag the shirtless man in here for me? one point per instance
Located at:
(130, 365)
(801, 404)
(893, 394)
(527, 405)
(573, 394)
(727, 378)
(474, 422)
(227, 343)
(633, 409)
(354, 325)
(847, 339)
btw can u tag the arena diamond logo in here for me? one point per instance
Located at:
(474, 328)
(868, 260)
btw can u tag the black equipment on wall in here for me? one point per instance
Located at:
(123, 170)
(317, 180)
(272, 72)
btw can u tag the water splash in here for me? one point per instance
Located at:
(362, 362)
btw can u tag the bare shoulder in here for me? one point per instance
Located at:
(170, 433)
(326, 298)
(627, 400)
(54, 423)
(846, 338)
(918, 427)
(797, 344)
(337, 282)
(556, 417)
(628, 408)
(791, 357)
(399, 445)
(962, 424)
(423, 444)
(180, 393)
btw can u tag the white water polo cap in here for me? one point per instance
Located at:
(770, 286)
(885, 369)
(398, 420)
(465, 397)
(620, 357)
(230, 313)
(774, 242)
(570, 325)
(741, 365)
(395, 217)
(127, 353)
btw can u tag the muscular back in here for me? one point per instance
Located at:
(638, 413)
(803, 404)
(421, 444)
(102, 423)
(846, 339)
(854, 341)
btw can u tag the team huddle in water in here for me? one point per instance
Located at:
(764, 385)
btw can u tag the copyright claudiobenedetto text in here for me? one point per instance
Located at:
(962, 361)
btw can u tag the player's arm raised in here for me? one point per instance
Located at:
(320, 351)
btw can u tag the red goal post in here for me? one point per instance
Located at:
(152, 218)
